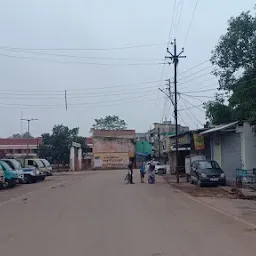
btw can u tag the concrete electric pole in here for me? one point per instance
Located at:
(175, 58)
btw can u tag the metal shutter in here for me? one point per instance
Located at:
(231, 154)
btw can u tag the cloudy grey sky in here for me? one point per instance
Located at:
(101, 80)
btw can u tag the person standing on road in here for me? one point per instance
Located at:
(142, 172)
(151, 173)
(131, 172)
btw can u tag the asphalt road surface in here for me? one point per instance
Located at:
(96, 214)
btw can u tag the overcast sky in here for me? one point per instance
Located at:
(101, 80)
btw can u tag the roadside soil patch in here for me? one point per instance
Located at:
(193, 190)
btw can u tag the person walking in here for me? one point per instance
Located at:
(142, 172)
(151, 173)
(130, 166)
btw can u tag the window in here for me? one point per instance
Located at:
(10, 164)
(208, 165)
(30, 162)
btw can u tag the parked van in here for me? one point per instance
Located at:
(47, 166)
(34, 163)
(16, 167)
(30, 175)
(1, 177)
(11, 177)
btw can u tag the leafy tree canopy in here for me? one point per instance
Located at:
(24, 135)
(109, 123)
(217, 112)
(56, 146)
(235, 65)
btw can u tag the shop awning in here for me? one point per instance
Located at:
(219, 128)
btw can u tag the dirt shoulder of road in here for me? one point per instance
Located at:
(228, 201)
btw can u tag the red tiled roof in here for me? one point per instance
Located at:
(113, 133)
(20, 141)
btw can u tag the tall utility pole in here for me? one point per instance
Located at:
(28, 120)
(159, 145)
(175, 58)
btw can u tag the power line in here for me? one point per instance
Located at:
(168, 42)
(190, 23)
(89, 49)
(189, 115)
(184, 101)
(192, 79)
(72, 56)
(74, 104)
(208, 90)
(181, 2)
(77, 91)
(200, 83)
(194, 67)
(184, 77)
(197, 96)
(80, 106)
(81, 96)
(81, 63)
(170, 31)
(185, 123)
(194, 106)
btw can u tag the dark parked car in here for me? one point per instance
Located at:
(204, 172)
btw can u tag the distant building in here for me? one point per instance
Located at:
(140, 136)
(112, 149)
(19, 146)
(157, 133)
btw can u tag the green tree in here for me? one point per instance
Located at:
(24, 135)
(109, 123)
(56, 146)
(234, 59)
(217, 112)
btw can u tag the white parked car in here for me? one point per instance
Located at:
(159, 168)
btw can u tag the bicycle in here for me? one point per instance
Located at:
(128, 178)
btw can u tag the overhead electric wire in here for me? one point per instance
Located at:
(184, 77)
(190, 23)
(5, 48)
(60, 92)
(192, 79)
(200, 83)
(184, 101)
(197, 96)
(179, 115)
(168, 42)
(70, 96)
(181, 2)
(207, 90)
(72, 104)
(81, 63)
(194, 67)
(194, 106)
(185, 108)
(89, 49)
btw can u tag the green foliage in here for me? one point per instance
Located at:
(24, 135)
(109, 123)
(235, 60)
(56, 146)
(217, 112)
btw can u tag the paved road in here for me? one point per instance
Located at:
(98, 215)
